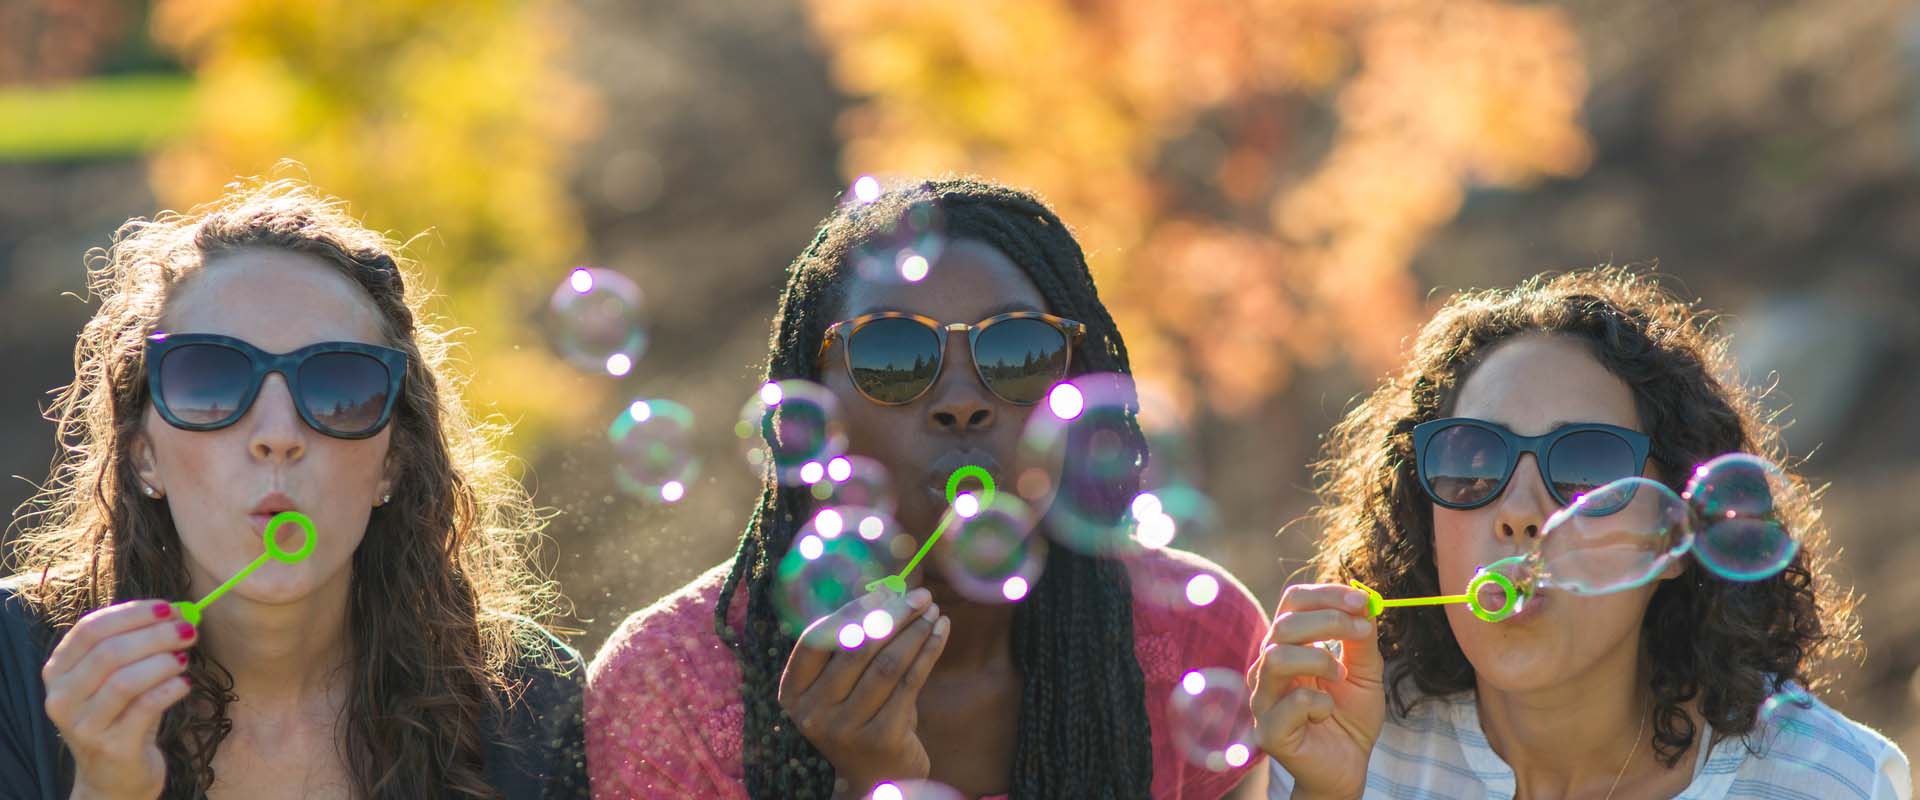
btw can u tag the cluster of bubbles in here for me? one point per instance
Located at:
(1628, 533)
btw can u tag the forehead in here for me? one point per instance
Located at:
(275, 299)
(969, 281)
(1537, 382)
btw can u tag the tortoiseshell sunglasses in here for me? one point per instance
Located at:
(895, 357)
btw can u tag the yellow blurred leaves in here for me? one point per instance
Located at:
(453, 119)
(1281, 260)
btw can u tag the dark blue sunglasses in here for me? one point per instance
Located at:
(1465, 463)
(205, 381)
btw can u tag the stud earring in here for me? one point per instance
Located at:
(386, 498)
(150, 491)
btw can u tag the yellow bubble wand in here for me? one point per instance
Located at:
(190, 611)
(898, 582)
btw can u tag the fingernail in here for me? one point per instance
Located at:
(185, 629)
(940, 628)
(163, 611)
(933, 611)
(1356, 600)
(186, 680)
(919, 598)
(180, 656)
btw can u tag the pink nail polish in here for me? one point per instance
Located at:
(180, 656)
(163, 611)
(185, 629)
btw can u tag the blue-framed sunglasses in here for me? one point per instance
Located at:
(205, 381)
(1465, 463)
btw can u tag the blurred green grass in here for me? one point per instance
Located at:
(106, 116)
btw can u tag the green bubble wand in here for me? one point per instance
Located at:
(898, 582)
(1512, 593)
(191, 611)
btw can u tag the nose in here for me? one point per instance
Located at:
(275, 433)
(960, 404)
(1525, 505)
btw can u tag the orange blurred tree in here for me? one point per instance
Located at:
(454, 120)
(1251, 177)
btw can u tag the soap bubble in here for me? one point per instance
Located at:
(593, 321)
(793, 425)
(994, 555)
(855, 481)
(1739, 531)
(653, 453)
(1210, 719)
(832, 560)
(1613, 538)
(916, 790)
(1786, 698)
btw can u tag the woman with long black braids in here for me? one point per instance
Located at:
(706, 694)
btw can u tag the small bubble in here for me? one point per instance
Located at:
(914, 268)
(811, 547)
(966, 506)
(1202, 590)
(1014, 588)
(1066, 401)
(829, 523)
(852, 635)
(653, 453)
(593, 321)
(866, 189)
(840, 469)
(878, 624)
(811, 472)
(1211, 722)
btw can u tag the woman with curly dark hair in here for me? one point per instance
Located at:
(259, 355)
(1675, 689)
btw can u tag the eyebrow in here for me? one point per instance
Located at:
(1003, 308)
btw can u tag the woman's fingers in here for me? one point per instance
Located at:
(819, 652)
(121, 689)
(1281, 664)
(1301, 627)
(889, 666)
(71, 692)
(1281, 725)
(102, 625)
(896, 715)
(844, 669)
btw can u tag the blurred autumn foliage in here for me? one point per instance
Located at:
(452, 119)
(1187, 144)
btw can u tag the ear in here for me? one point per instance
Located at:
(144, 466)
(389, 475)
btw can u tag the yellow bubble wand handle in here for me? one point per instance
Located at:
(1509, 590)
(898, 583)
(190, 611)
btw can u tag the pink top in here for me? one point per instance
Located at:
(664, 711)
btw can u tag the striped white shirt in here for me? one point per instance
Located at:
(1438, 752)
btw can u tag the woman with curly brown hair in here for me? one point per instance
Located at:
(259, 355)
(1675, 689)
